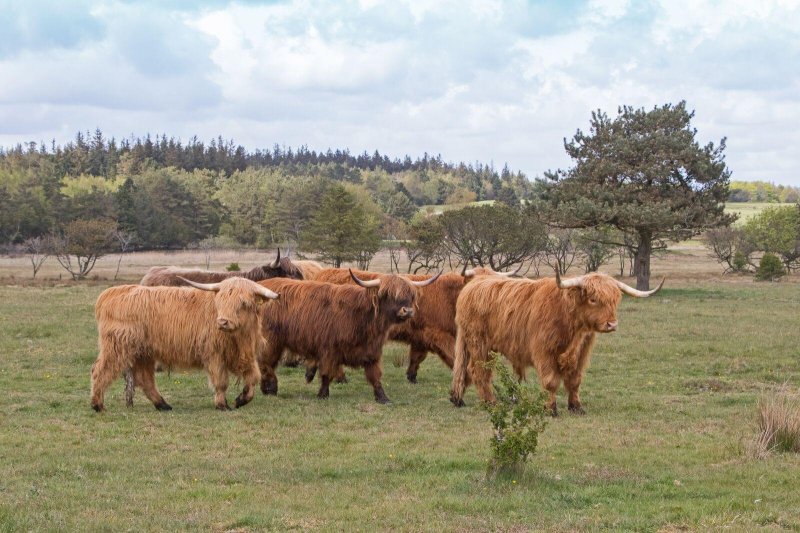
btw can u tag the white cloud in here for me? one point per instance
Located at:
(473, 80)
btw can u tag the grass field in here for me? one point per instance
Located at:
(747, 210)
(671, 408)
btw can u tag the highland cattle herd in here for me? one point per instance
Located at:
(241, 323)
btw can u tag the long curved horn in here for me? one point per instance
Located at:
(277, 262)
(510, 274)
(203, 286)
(266, 293)
(366, 284)
(468, 273)
(427, 281)
(636, 293)
(574, 282)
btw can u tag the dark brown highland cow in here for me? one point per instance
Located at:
(217, 328)
(549, 324)
(170, 276)
(334, 325)
(433, 326)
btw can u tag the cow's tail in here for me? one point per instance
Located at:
(459, 370)
(130, 386)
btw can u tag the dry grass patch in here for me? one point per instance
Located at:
(778, 423)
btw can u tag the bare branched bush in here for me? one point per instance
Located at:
(730, 247)
(560, 251)
(82, 244)
(38, 249)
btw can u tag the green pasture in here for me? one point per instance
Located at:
(747, 210)
(670, 399)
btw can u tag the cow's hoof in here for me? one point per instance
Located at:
(458, 402)
(383, 400)
(310, 373)
(577, 409)
(163, 406)
(240, 401)
(322, 396)
(223, 407)
(269, 388)
(342, 380)
(98, 407)
(412, 378)
(553, 411)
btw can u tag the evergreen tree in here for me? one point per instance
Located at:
(341, 229)
(642, 172)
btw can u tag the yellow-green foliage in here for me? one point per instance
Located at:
(88, 184)
(762, 191)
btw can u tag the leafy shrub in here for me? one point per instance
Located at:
(518, 417)
(770, 268)
(233, 267)
(740, 261)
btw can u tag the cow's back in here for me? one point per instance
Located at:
(163, 320)
(513, 316)
(314, 316)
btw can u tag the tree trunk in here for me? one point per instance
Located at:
(642, 261)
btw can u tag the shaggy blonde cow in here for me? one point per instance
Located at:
(549, 324)
(216, 328)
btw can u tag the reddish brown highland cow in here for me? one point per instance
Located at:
(216, 328)
(549, 324)
(334, 325)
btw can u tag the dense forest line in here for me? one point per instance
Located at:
(171, 194)
(763, 191)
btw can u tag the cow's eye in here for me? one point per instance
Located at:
(592, 301)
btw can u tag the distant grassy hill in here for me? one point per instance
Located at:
(447, 207)
(747, 210)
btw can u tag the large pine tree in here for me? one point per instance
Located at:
(644, 173)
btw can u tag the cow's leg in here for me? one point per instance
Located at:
(328, 367)
(311, 371)
(130, 386)
(572, 382)
(479, 370)
(144, 375)
(269, 355)
(218, 377)
(462, 367)
(324, 387)
(110, 362)
(373, 372)
(416, 355)
(251, 377)
(341, 377)
(550, 380)
(573, 377)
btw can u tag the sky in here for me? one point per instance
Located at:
(472, 80)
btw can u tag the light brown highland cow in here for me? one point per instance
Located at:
(217, 328)
(549, 324)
